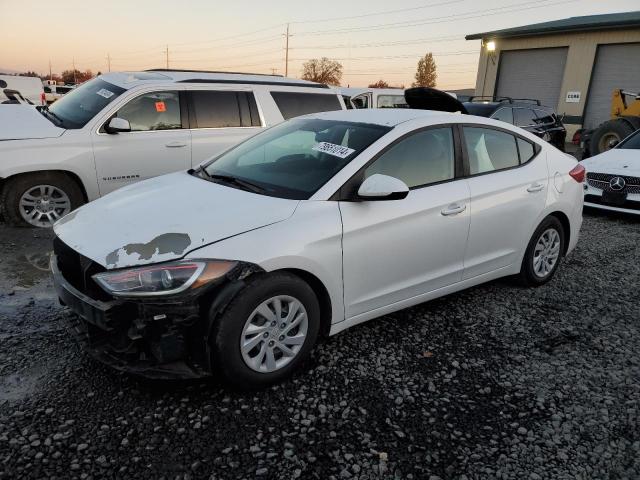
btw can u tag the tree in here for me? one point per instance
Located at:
(29, 74)
(69, 76)
(322, 71)
(379, 84)
(426, 73)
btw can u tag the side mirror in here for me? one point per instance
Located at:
(382, 187)
(613, 143)
(117, 125)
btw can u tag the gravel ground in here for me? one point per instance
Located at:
(493, 382)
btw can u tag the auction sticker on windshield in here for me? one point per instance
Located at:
(103, 92)
(333, 149)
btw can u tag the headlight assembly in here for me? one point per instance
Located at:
(162, 279)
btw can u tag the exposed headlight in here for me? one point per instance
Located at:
(162, 279)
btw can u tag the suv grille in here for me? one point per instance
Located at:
(601, 181)
(77, 270)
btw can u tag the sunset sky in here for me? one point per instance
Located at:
(373, 39)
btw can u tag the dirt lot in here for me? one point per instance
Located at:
(493, 382)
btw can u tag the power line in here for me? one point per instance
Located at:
(386, 12)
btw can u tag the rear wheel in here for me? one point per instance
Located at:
(39, 199)
(267, 331)
(543, 254)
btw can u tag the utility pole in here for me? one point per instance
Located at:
(73, 63)
(167, 54)
(286, 55)
(108, 62)
(50, 75)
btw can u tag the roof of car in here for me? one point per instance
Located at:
(131, 79)
(389, 117)
(352, 91)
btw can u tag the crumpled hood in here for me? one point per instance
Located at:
(19, 122)
(164, 218)
(620, 161)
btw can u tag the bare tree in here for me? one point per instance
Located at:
(322, 70)
(426, 73)
(379, 84)
(68, 76)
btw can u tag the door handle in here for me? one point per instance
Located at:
(175, 144)
(536, 187)
(453, 209)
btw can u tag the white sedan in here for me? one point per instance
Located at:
(311, 227)
(613, 177)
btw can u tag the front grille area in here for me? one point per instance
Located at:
(78, 269)
(601, 181)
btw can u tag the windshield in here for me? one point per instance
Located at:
(296, 158)
(392, 101)
(80, 105)
(632, 142)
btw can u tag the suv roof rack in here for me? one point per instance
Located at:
(500, 99)
(207, 71)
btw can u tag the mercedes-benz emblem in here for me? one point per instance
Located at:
(617, 183)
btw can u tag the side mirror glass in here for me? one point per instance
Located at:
(613, 143)
(117, 125)
(382, 187)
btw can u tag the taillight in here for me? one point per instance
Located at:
(43, 99)
(578, 173)
(576, 138)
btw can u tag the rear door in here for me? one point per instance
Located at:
(220, 119)
(508, 181)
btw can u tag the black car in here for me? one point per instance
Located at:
(524, 113)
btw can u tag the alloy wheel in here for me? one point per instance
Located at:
(274, 334)
(42, 205)
(546, 253)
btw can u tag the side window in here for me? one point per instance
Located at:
(524, 117)
(361, 101)
(215, 109)
(504, 115)
(526, 150)
(489, 150)
(153, 111)
(392, 101)
(294, 104)
(423, 158)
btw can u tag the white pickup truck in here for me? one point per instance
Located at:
(120, 128)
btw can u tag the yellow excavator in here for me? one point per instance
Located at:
(625, 119)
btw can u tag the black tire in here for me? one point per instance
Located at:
(16, 186)
(609, 130)
(527, 276)
(227, 356)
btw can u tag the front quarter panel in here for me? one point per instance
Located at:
(70, 152)
(310, 240)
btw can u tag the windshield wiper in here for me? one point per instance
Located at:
(45, 109)
(244, 184)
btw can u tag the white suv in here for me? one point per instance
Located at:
(120, 128)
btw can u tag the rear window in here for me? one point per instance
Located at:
(524, 117)
(294, 104)
(220, 109)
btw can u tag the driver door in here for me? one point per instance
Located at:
(394, 250)
(157, 143)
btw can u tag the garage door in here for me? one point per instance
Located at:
(533, 73)
(617, 66)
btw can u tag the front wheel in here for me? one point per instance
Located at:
(543, 254)
(267, 331)
(39, 199)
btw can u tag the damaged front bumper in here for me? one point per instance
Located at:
(155, 338)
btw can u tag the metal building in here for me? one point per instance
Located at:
(572, 65)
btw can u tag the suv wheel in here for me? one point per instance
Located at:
(39, 199)
(267, 331)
